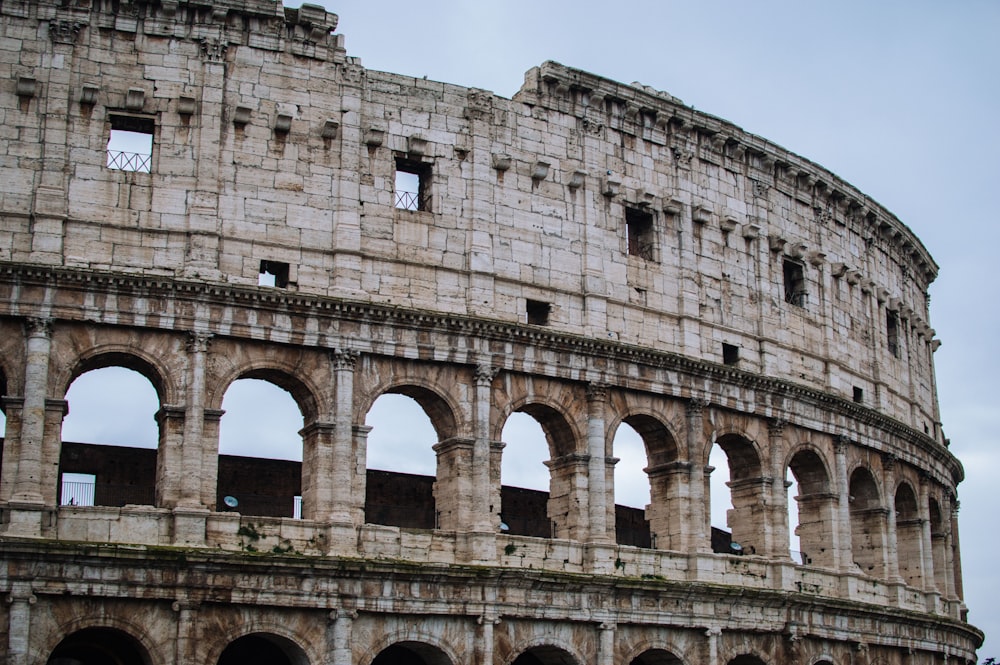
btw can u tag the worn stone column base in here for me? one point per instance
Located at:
(477, 547)
(27, 520)
(190, 526)
(601, 558)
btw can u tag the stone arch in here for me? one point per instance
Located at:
(748, 490)
(123, 475)
(262, 648)
(410, 652)
(301, 387)
(567, 501)
(418, 501)
(278, 634)
(868, 522)
(817, 504)
(96, 646)
(746, 659)
(654, 654)
(909, 535)
(665, 477)
(547, 651)
(115, 625)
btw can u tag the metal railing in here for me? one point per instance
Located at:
(77, 494)
(129, 161)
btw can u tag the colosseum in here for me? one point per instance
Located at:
(591, 254)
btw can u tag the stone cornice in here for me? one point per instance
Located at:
(163, 571)
(780, 390)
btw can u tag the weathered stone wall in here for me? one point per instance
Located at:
(589, 253)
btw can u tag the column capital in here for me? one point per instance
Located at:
(695, 406)
(889, 461)
(597, 391)
(345, 359)
(342, 614)
(38, 326)
(840, 443)
(198, 342)
(484, 374)
(776, 426)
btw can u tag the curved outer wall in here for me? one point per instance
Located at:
(588, 252)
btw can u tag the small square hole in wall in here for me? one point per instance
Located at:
(130, 143)
(730, 354)
(795, 283)
(639, 232)
(273, 273)
(412, 185)
(537, 312)
(859, 395)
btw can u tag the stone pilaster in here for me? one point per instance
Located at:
(606, 643)
(27, 483)
(186, 644)
(892, 539)
(842, 525)
(170, 421)
(597, 489)
(484, 650)
(697, 532)
(318, 470)
(483, 518)
(338, 636)
(344, 504)
(19, 601)
(194, 422)
(777, 521)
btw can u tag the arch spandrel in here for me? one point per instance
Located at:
(304, 373)
(114, 617)
(440, 390)
(12, 353)
(79, 349)
(559, 407)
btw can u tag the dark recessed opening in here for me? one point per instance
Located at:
(892, 332)
(795, 283)
(859, 395)
(730, 354)
(273, 273)
(639, 229)
(538, 312)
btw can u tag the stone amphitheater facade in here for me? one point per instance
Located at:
(588, 252)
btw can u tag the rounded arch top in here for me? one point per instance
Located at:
(743, 455)
(297, 384)
(547, 651)
(152, 367)
(560, 431)
(657, 437)
(863, 489)
(810, 468)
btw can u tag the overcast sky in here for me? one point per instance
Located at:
(901, 99)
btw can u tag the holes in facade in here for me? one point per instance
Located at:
(263, 649)
(892, 332)
(130, 143)
(632, 490)
(412, 185)
(640, 233)
(97, 646)
(730, 354)
(537, 312)
(859, 395)
(795, 283)
(273, 273)
(811, 510)
(525, 478)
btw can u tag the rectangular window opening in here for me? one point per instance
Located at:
(795, 283)
(273, 273)
(859, 395)
(77, 489)
(730, 354)
(892, 332)
(130, 143)
(639, 230)
(412, 185)
(538, 312)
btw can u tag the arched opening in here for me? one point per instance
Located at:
(3, 413)
(401, 464)
(656, 657)
(939, 545)
(909, 537)
(632, 492)
(529, 511)
(746, 659)
(524, 477)
(867, 523)
(745, 488)
(411, 653)
(545, 655)
(263, 649)
(813, 510)
(99, 646)
(260, 450)
(109, 452)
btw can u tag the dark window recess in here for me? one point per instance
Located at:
(892, 332)
(730, 354)
(273, 273)
(412, 185)
(859, 395)
(538, 312)
(639, 229)
(795, 283)
(130, 143)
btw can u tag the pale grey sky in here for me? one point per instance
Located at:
(898, 98)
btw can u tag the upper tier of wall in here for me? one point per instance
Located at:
(584, 205)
